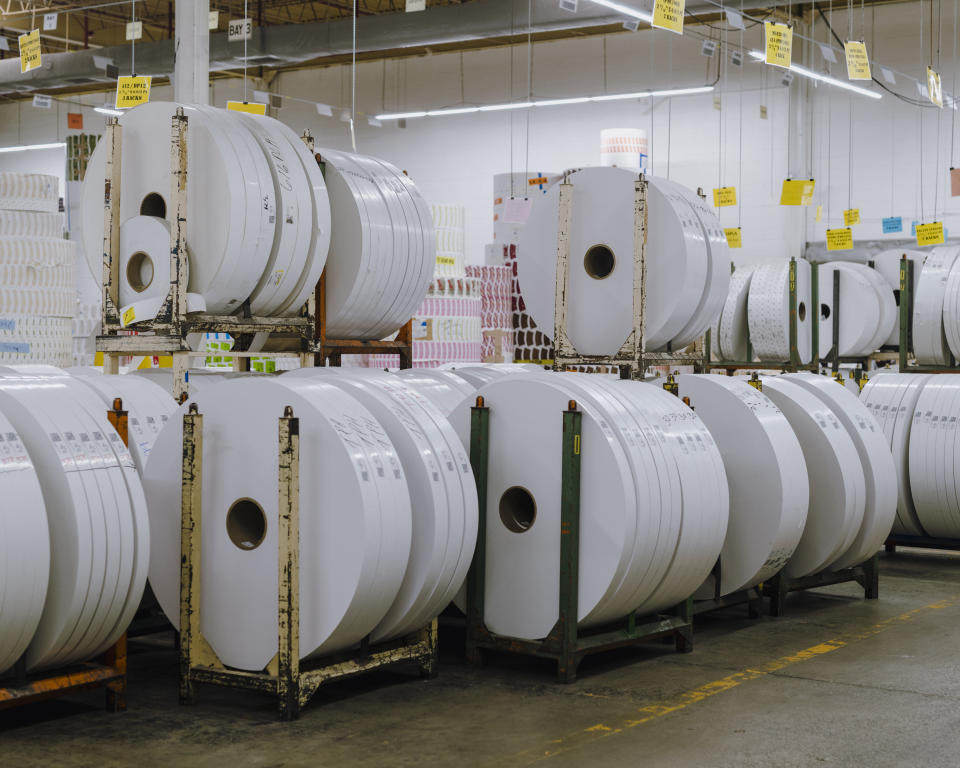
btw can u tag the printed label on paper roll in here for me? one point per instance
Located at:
(734, 237)
(839, 239)
(851, 216)
(858, 65)
(797, 192)
(668, 14)
(447, 261)
(723, 196)
(930, 234)
(779, 38)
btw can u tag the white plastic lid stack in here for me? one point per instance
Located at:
(732, 334)
(929, 339)
(24, 547)
(877, 464)
(892, 399)
(600, 309)
(768, 311)
(352, 565)
(766, 474)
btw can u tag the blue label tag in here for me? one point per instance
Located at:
(16, 348)
(7, 324)
(892, 224)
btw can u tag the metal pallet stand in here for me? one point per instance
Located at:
(632, 359)
(292, 682)
(907, 277)
(867, 575)
(794, 363)
(166, 334)
(109, 673)
(566, 643)
(895, 540)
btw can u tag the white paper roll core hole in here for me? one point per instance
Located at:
(518, 509)
(599, 261)
(246, 524)
(140, 271)
(802, 311)
(154, 205)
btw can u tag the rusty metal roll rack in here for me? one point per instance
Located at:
(109, 673)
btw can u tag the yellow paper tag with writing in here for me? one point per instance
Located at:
(819, 213)
(734, 237)
(839, 239)
(779, 39)
(29, 50)
(851, 216)
(129, 315)
(930, 234)
(241, 106)
(132, 91)
(797, 192)
(858, 65)
(934, 87)
(724, 196)
(668, 14)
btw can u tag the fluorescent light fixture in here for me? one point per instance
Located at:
(108, 111)
(546, 103)
(54, 145)
(760, 56)
(625, 9)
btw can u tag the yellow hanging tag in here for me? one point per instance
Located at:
(934, 88)
(132, 91)
(29, 51)
(243, 106)
(797, 192)
(723, 196)
(851, 216)
(779, 39)
(668, 14)
(839, 239)
(930, 234)
(858, 65)
(734, 237)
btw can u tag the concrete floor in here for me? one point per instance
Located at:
(838, 681)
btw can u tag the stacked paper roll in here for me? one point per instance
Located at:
(625, 148)
(868, 311)
(687, 263)
(496, 318)
(37, 285)
(732, 335)
(653, 510)
(448, 221)
(76, 544)
(887, 263)
(375, 448)
(768, 311)
(931, 309)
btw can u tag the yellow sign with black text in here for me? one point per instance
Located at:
(244, 106)
(839, 239)
(734, 237)
(29, 51)
(858, 65)
(779, 39)
(723, 196)
(851, 216)
(132, 91)
(797, 192)
(930, 234)
(668, 14)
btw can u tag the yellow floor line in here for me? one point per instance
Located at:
(580, 738)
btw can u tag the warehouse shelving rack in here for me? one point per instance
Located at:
(867, 575)
(166, 334)
(292, 682)
(109, 673)
(632, 359)
(566, 643)
(794, 363)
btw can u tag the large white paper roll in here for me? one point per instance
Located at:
(523, 497)
(929, 340)
(144, 259)
(732, 333)
(444, 389)
(351, 564)
(602, 234)
(768, 311)
(878, 467)
(860, 311)
(889, 325)
(766, 473)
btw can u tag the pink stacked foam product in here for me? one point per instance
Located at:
(496, 311)
(531, 345)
